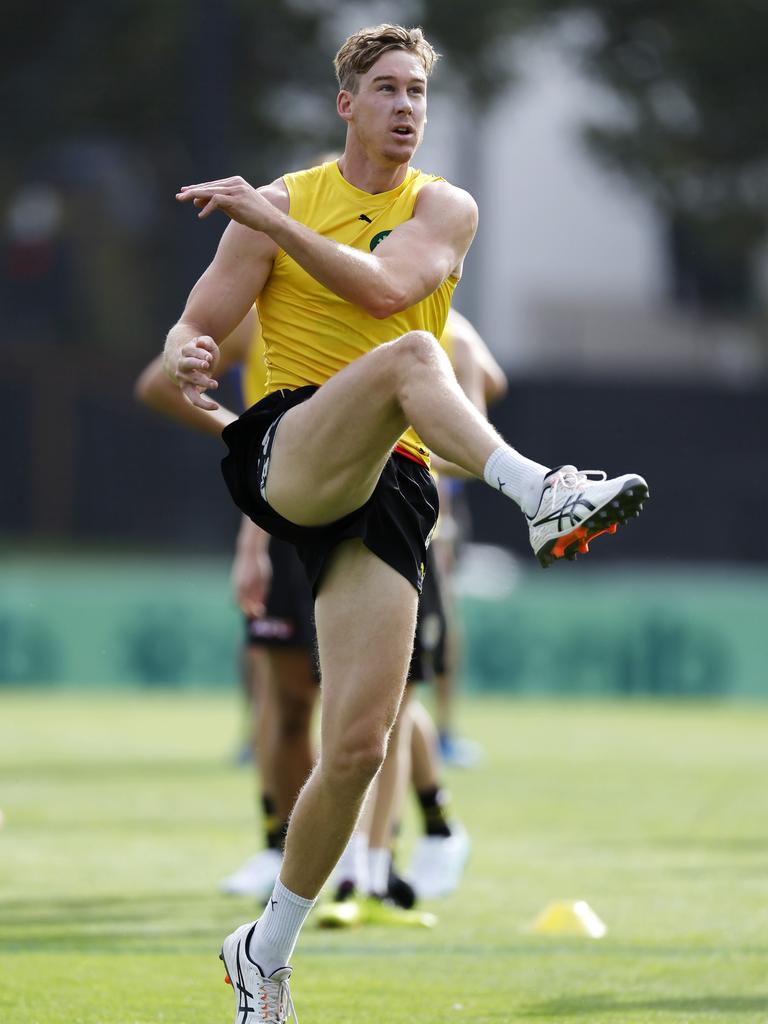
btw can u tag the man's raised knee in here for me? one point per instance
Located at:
(413, 353)
(418, 345)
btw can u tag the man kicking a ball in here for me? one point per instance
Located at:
(353, 265)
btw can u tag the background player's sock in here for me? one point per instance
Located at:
(274, 828)
(277, 930)
(519, 478)
(434, 803)
(379, 859)
(352, 868)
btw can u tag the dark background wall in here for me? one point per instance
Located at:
(85, 464)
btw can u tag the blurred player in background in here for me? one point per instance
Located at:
(484, 382)
(353, 265)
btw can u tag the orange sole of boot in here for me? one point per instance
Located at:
(580, 536)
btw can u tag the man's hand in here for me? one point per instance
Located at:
(191, 368)
(251, 579)
(233, 196)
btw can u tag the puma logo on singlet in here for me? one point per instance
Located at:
(366, 218)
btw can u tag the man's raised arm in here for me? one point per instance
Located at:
(406, 267)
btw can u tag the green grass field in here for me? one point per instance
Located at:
(122, 812)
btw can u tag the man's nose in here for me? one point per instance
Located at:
(404, 102)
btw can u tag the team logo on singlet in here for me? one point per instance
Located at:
(379, 238)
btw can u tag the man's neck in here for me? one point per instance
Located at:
(360, 171)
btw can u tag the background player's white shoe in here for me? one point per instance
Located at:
(438, 863)
(578, 505)
(256, 877)
(259, 1000)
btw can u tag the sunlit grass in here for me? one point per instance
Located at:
(122, 812)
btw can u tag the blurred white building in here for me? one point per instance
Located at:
(568, 268)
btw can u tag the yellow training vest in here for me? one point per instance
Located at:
(254, 373)
(309, 332)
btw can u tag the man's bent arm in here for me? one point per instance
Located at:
(407, 266)
(218, 302)
(155, 389)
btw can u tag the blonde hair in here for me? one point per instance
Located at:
(361, 51)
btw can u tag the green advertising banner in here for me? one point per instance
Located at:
(118, 622)
(651, 632)
(159, 622)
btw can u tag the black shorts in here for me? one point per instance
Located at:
(428, 658)
(395, 523)
(289, 617)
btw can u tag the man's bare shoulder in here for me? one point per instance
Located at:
(277, 193)
(442, 197)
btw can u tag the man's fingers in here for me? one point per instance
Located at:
(214, 203)
(202, 341)
(193, 364)
(206, 341)
(253, 609)
(208, 184)
(189, 375)
(201, 193)
(196, 397)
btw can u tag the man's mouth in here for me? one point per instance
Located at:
(403, 129)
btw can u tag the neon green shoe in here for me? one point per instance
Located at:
(340, 914)
(382, 912)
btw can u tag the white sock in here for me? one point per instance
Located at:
(519, 478)
(277, 930)
(353, 863)
(378, 870)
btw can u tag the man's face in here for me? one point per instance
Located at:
(389, 109)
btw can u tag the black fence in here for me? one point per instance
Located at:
(83, 464)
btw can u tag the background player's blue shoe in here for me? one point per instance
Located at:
(458, 751)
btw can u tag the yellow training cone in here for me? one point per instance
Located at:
(569, 919)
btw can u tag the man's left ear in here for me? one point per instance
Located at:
(344, 104)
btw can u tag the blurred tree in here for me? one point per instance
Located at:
(118, 104)
(157, 73)
(162, 91)
(692, 79)
(475, 38)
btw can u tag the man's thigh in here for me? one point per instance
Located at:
(366, 615)
(329, 451)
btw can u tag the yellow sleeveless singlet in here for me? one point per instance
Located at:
(254, 373)
(309, 332)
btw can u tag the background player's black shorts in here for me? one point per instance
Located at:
(289, 619)
(395, 523)
(428, 658)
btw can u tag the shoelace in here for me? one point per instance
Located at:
(572, 478)
(275, 997)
